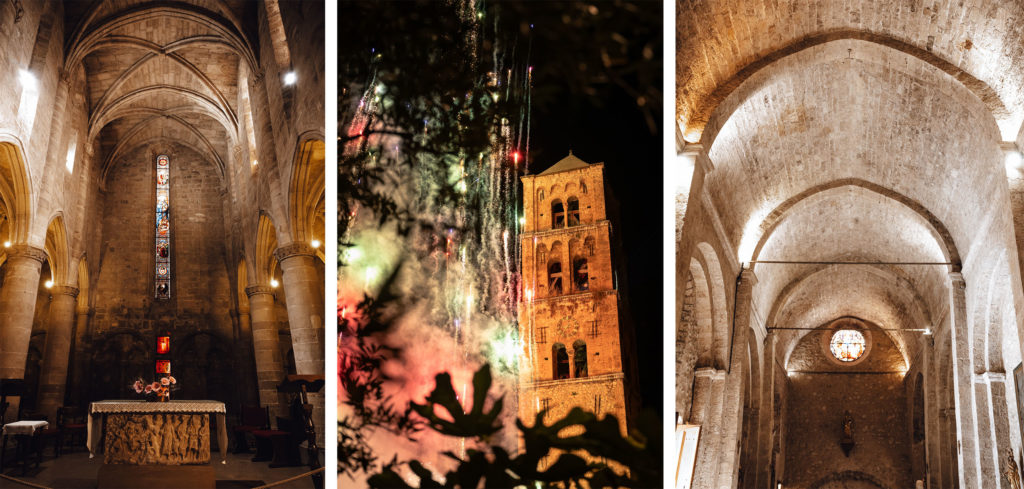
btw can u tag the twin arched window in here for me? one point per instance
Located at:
(561, 360)
(561, 218)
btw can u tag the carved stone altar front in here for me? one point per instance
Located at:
(158, 438)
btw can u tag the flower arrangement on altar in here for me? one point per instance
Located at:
(161, 389)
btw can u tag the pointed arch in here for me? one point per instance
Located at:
(88, 36)
(15, 191)
(264, 262)
(242, 283)
(83, 284)
(57, 253)
(306, 192)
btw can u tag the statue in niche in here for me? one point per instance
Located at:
(846, 442)
(1010, 470)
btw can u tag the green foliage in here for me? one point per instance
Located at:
(610, 460)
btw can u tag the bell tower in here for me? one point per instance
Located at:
(569, 313)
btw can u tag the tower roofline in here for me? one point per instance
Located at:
(569, 163)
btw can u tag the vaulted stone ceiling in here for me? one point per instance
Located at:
(855, 131)
(722, 42)
(160, 72)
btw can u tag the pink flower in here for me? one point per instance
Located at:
(138, 386)
(165, 381)
(172, 379)
(156, 385)
(149, 388)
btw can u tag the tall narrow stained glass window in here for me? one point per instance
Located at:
(163, 228)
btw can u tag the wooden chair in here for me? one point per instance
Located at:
(252, 419)
(71, 421)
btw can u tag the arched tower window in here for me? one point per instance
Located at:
(555, 277)
(557, 214)
(561, 361)
(580, 276)
(574, 211)
(579, 358)
(163, 227)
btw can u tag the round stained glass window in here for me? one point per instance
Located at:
(847, 345)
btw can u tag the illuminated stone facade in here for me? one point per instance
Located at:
(569, 317)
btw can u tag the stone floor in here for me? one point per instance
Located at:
(76, 470)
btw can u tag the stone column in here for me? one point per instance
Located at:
(733, 402)
(999, 430)
(988, 474)
(269, 367)
(967, 454)
(947, 459)
(17, 306)
(708, 388)
(304, 290)
(305, 304)
(767, 422)
(245, 354)
(54, 375)
(79, 359)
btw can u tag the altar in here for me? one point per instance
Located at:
(155, 433)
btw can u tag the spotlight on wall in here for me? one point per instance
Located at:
(27, 79)
(48, 284)
(290, 78)
(255, 162)
(315, 243)
(7, 244)
(274, 283)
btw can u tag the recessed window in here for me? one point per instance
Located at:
(847, 345)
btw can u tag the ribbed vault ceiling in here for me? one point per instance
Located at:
(163, 72)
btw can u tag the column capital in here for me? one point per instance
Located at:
(747, 276)
(293, 249)
(64, 290)
(258, 289)
(27, 251)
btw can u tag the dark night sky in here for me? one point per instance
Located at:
(617, 134)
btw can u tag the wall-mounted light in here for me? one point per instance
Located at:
(290, 78)
(315, 243)
(48, 284)
(928, 331)
(7, 244)
(274, 283)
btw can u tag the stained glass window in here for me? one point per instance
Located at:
(847, 345)
(163, 228)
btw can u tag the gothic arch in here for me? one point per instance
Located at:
(15, 190)
(83, 286)
(56, 247)
(87, 36)
(264, 262)
(306, 192)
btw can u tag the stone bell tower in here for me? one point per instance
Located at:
(569, 314)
